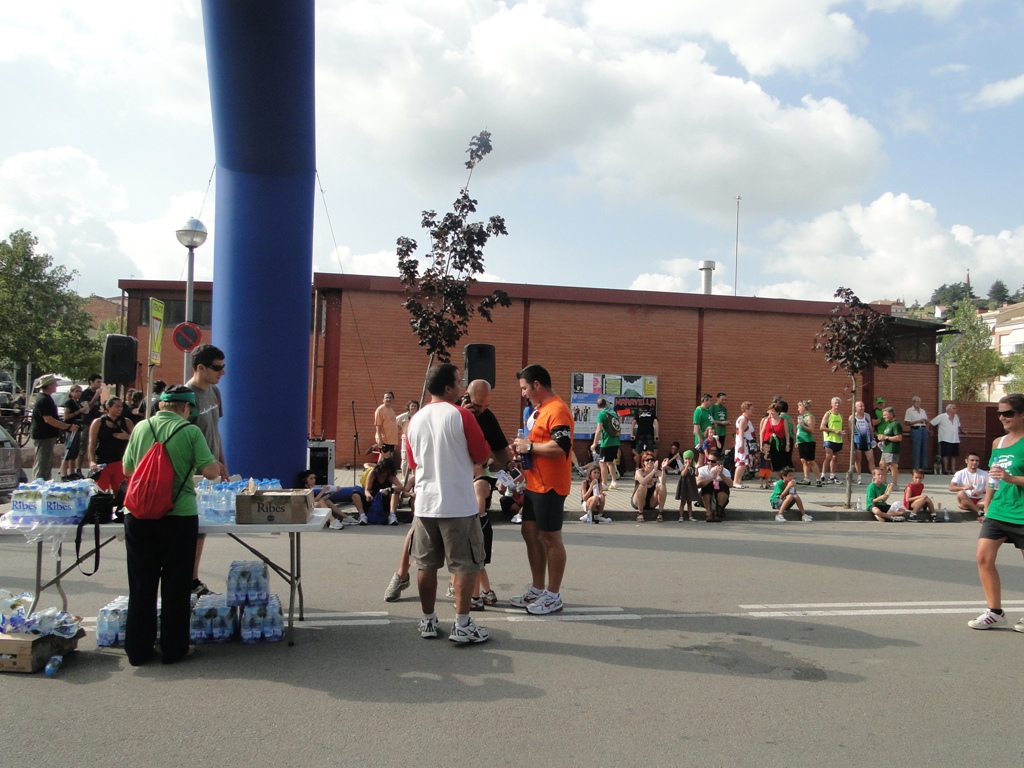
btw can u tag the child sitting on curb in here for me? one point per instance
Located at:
(784, 496)
(915, 501)
(877, 496)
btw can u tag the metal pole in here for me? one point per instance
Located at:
(189, 296)
(736, 266)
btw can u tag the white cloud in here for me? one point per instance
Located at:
(683, 276)
(895, 247)
(998, 94)
(939, 9)
(343, 260)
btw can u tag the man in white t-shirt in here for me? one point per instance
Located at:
(713, 483)
(444, 443)
(948, 425)
(969, 485)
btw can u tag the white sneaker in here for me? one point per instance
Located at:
(780, 519)
(362, 519)
(602, 519)
(527, 598)
(807, 519)
(989, 619)
(349, 521)
(517, 518)
(335, 524)
(612, 485)
(470, 633)
(428, 627)
(392, 519)
(1019, 626)
(898, 519)
(858, 480)
(586, 519)
(545, 604)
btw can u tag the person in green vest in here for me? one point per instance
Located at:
(832, 437)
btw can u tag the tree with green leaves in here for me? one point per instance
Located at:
(438, 297)
(1015, 366)
(856, 337)
(946, 295)
(43, 323)
(998, 294)
(975, 361)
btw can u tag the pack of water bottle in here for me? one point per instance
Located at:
(213, 620)
(50, 503)
(216, 501)
(262, 623)
(112, 621)
(248, 583)
(15, 616)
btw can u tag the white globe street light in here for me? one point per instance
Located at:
(191, 235)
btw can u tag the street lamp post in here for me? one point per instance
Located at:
(736, 265)
(191, 235)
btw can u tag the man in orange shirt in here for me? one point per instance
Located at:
(545, 450)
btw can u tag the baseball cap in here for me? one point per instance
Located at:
(879, 399)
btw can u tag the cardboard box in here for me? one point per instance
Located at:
(29, 653)
(269, 507)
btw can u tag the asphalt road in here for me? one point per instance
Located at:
(740, 644)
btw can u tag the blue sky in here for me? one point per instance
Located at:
(875, 144)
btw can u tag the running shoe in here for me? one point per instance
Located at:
(806, 519)
(476, 603)
(805, 481)
(818, 482)
(586, 519)
(525, 599)
(990, 619)
(1019, 626)
(199, 588)
(335, 525)
(396, 587)
(602, 519)
(428, 627)
(545, 604)
(612, 485)
(362, 519)
(517, 518)
(780, 519)
(450, 592)
(489, 597)
(470, 633)
(898, 519)
(392, 519)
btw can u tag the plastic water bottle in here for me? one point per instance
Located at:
(946, 516)
(53, 665)
(524, 457)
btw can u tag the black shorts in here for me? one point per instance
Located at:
(647, 502)
(862, 444)
(806, 450)
(997, 529)
(611, 453)
(643, 443)
(949, 450)
(545, 509)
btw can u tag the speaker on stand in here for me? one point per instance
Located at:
(119, 359)
(478, 363)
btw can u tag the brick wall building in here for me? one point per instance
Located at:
(750, 348)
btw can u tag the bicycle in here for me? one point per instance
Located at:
(18, 424)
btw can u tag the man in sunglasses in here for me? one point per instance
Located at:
(714, 482)
(207, 371)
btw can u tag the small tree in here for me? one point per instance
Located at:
(854, 339)
(43, 322)
(1015, 364)
(998, 294)
(437, 297)
(976, 361)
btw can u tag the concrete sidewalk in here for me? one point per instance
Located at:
(825, 504)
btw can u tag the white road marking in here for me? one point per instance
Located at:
(783, 606)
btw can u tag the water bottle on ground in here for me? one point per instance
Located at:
(53, 665)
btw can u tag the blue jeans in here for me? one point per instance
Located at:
(919, 436)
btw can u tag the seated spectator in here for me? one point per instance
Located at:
(713, 483)
(649, 487)
(511, 501)
(382, 492)
(918, 506)
(322, 499)
(877, 499)
(593, 498)
(784, 496)
(686, 490)
(674, 459)
(969, 486)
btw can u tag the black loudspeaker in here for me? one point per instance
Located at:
(119, 363)
(478, 363)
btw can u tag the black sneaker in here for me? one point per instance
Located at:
(199, 589)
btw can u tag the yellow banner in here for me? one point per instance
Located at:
(156, 327)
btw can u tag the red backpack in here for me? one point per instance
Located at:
(150, 493)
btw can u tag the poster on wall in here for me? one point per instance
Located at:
(625, 393)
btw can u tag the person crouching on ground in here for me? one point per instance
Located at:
(713, 483)
(784, 496)
(593, 498)
(649, 487)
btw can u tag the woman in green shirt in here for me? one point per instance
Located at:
(1004, 509)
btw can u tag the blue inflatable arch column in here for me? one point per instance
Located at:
(260, 60)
